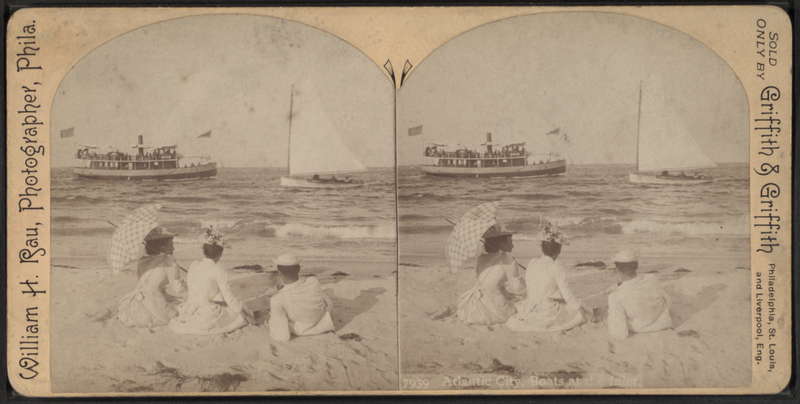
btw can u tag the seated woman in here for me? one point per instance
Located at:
(211, 307)
(550, 305)
(149, 305)
(488, 302)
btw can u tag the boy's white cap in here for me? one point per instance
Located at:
(287, 260)
(625, 256)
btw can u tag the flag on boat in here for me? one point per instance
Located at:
(555, 131)
(68, 132)
(415, 131)
(205, 135)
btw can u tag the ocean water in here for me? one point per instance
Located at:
(595, 205)
(260, 218)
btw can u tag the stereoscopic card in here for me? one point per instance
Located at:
(456, 200)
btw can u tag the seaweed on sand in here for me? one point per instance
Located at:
(499, 367)
(595, 264)
(172, 379)
(253, 267)
(350, 337)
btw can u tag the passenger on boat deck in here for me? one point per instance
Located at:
(638, 304)
(315, 177)
(299, 307)
(152, 303)
(499, 282)
(211, 308)
(550, 304)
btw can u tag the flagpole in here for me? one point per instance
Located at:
(289, 148)
(638, 125)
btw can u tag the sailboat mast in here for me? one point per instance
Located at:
(638, 125)
(289, 149)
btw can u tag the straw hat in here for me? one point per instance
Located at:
(158, 233)
(496, 231)
(287, 260)
(625, 256)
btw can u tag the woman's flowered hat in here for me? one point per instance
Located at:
(212, 235)
(551, 234)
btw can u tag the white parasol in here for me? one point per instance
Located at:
(124, 245)
(463, 241)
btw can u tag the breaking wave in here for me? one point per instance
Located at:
(342, 232)
(735, 226)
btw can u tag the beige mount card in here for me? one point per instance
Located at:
(170, 169)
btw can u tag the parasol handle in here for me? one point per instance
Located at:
(515, 260)
(111, 223)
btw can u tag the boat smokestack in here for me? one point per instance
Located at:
(488, 141)
(141, 143)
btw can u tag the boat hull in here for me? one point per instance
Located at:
(552, 168)
(180, 173)
(643, 178)
(307, 183)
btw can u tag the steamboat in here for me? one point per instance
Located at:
(158, 163)
(496, 160)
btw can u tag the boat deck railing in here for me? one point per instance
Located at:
(101, 157)
(486, 162)
(125, 165)
(476, 155)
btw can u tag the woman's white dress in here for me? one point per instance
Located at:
(550, 303)
(211, 307)
(152, 303)
(488, 302)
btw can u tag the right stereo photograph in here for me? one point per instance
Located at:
(573, 210)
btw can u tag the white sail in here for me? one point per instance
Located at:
(315, 145)
(665, 143)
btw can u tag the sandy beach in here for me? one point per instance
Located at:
(708, 347)
(93, 353)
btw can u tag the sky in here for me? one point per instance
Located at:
(231, 75)
(522, 77)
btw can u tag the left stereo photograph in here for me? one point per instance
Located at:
(222, 212)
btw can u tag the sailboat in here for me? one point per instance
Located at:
(665, 150)
(316, 149)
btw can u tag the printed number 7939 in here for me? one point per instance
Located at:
(416, 383)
